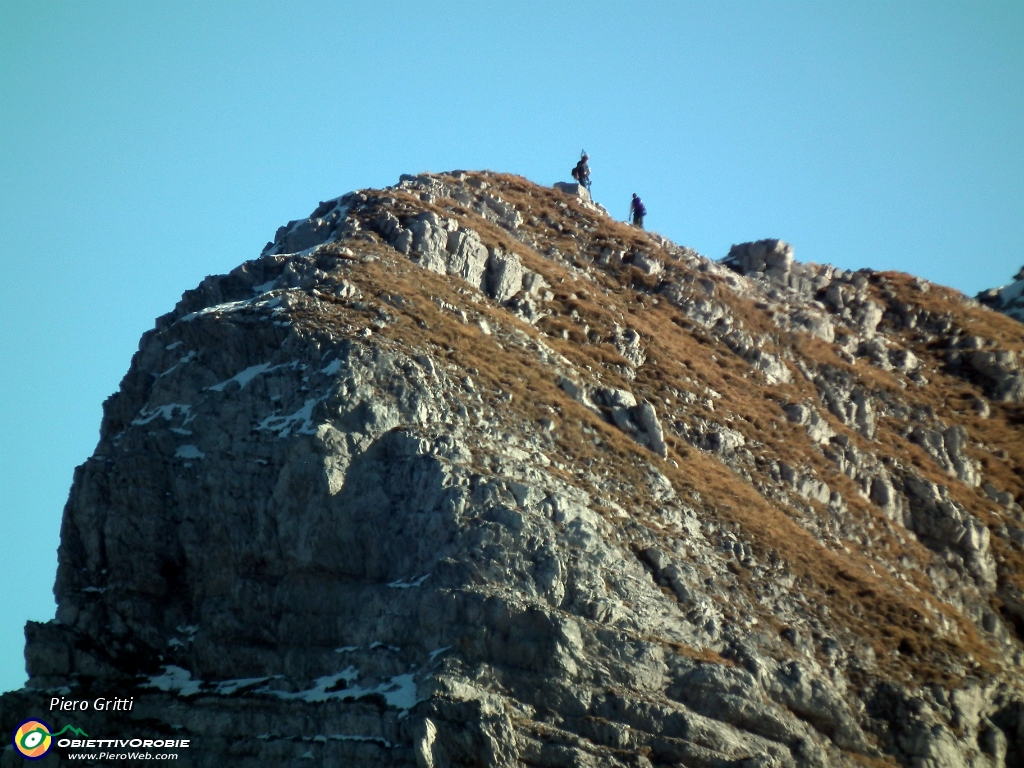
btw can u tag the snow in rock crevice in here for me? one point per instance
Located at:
(398, 691)
(408, 583)
(250, 373)
(284, 425)
(147, 415)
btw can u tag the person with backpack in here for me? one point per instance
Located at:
(581, 172)
(637, 211)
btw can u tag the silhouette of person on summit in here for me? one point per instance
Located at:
(637, 211)
(581, 172)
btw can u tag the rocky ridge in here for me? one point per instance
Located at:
(1009, 299)
(464, 472)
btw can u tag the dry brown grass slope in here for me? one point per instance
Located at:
(886, 605)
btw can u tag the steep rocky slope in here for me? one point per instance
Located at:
(1009, 299)
(463, 472)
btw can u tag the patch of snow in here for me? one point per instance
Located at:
(163, 411)
(283, 425)
(101, 590)
(401, 693)
(227, 307)
(350, 674)
(248, 375)
(331, 368)
(182, 361)
(189, 452)
(409, 582)
(180, 431)
(379, 644)
(437, 652)
(320, 692)
(175, 345)
(252, 372)
(347, 649)
(243, 378)
(398, 692)
(230, 307)
(257, 289)
(175, 679)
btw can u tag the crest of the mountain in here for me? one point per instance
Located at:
(464, 472)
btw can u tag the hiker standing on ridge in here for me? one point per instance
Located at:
(637, 211)
(581, 172)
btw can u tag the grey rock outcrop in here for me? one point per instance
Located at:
(807, 416)
(1009, 299)
(1003, 371)
(849, 403)
(944, 523)
(574, 189)
(773, 258)
(639, 421)
(946, 447)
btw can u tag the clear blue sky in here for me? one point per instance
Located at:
(144, 145)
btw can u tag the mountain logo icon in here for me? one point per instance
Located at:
(33, 738)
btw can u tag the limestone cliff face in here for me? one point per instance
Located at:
(463, 472)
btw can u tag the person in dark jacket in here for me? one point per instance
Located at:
(637, 211)
(581, 172)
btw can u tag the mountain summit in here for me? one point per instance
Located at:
(463, 472)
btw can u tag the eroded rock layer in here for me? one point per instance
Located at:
(463, 472)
